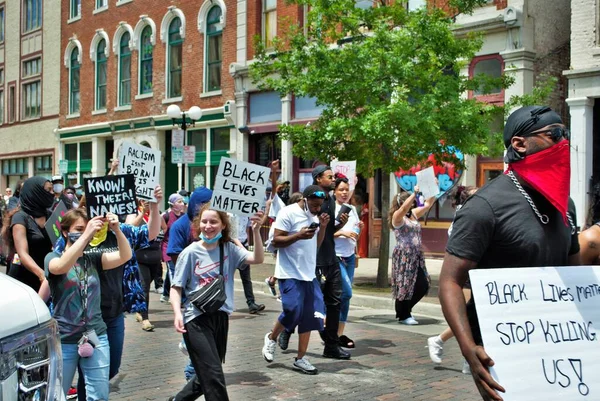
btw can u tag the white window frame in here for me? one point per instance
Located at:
(264, 12)
(172, 13)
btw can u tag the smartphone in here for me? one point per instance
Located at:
(344, 209)
(313, 226)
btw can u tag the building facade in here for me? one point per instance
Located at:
(124, 62)
(29, 89)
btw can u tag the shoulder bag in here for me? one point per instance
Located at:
(211, 297)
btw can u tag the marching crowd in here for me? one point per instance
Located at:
(101, 267)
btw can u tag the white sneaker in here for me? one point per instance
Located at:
(183, 349)
(435, 349)
(268, 350)
(466, 368)
(159, 290)
(305, 366)
(409, 321)
(164, 299)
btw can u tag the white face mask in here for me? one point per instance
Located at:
(307, 210)
(57, 188)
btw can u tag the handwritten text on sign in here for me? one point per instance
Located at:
(112, 193)
(144, 164)
(240, 187)
(348, 168)
(540, 326)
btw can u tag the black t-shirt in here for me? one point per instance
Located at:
(326, 254)
(497, 228)
(39, 246)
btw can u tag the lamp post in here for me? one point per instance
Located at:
(180, 118)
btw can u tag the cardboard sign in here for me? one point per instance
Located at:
(240, 187)
(346, 168)
(112, 193)
(189, 154)
(426, 183)
(53, 223)
(177, 155)
(541, 328)
(177, 138)
(144, 164)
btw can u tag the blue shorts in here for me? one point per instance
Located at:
(303, 305)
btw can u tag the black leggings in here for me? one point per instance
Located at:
(404, 308)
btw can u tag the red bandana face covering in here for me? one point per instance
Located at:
(549, 173)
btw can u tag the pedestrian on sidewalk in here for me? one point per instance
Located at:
(298, 235)
(345, 250)
(410, 280)
(205, 333)
(523, 218)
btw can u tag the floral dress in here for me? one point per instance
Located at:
(407, 258)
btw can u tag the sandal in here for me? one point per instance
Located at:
(147, 326)
(345, 342)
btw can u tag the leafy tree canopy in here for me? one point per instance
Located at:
(389, 80)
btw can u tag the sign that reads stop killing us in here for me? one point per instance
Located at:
(144, 164)
(541, 327)
(240, 187)
(112, 193)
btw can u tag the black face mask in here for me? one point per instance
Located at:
(35, 200)
(284, 194)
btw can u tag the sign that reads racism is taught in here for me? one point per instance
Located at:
(240, 187)
(144, 164)
(541, 328)
(112, 193)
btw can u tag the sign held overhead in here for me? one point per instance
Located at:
(111, 193)
(144, 164)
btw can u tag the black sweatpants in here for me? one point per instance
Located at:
(404, 308)
(206, 342)
(332, 295)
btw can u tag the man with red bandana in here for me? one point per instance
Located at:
(523, 218)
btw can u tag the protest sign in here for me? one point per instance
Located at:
(346, 168)
(112, 193)
(144, 164)
(240, 187)
(426, 183)
(53, 223)
(540, 326)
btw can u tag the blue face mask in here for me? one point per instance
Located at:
(210, 240)
(186, 199)
(73, 236)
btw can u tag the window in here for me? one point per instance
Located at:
(75, 8)
(197, 138)
(220, 139)
(125, 70)
(1, 107)
(101, 75)
(32, 14)
(175, 59)
(214, 42)
(416, 4)
(146, 50)
(32, 89)
(2, 24)
(74, 82)
(42, 166)
(101, 4)
(32, 67)
(269, 22)
(264, 107)
(12, 104)
(492, 66)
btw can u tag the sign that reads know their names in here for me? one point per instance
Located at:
(144, 164)
(541, 328)
(240, 187)
(112, 193)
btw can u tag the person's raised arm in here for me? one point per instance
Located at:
(137, 219)
(154, 220)
(63, 264)
(422, 210)
(22, 249)
(258, 255)
(114, 259)
(398, 216)
(114, 167)
(274, 167)
(453, 276)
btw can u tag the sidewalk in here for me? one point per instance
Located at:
(365, 294)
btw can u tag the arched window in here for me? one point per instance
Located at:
(146, 50)
(214, 46)
(175, 58)
(74, 82)
(493, 66)
(101, 75)
(124, 70)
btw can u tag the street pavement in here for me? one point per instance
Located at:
(390, 362)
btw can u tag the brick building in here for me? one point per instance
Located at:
(125, 62)
(29, 99)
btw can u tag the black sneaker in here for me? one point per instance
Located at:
(171, 398)
(335, 352)
(254, 308)
(284, 339)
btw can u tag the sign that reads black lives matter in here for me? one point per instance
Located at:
(112, 193)
(240, 187)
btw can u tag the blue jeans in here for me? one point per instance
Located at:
(168, 275)
(115, 330)
(347, 266)
(95, 369)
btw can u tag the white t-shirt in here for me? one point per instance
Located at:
(298, 260)
(345, 246)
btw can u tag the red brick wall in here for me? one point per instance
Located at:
(193, 55)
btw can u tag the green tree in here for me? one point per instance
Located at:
(390, 84)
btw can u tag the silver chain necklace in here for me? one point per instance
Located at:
(543, 218)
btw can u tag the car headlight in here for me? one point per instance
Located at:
(31, 365)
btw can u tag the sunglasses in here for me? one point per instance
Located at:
(318, 194)
(556, 133)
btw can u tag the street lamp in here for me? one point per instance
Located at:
(180, 118)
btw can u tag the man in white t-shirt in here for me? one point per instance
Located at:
(301, 296)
